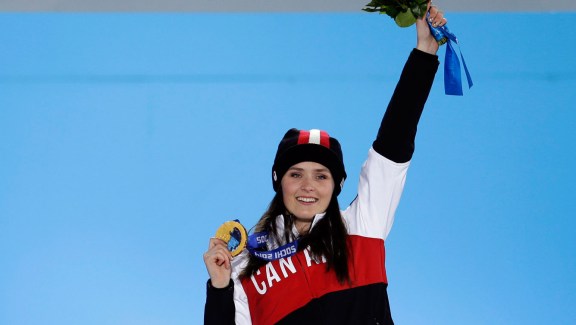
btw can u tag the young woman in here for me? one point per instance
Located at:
(336, 273)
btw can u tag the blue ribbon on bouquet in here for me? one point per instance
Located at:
(452, 72)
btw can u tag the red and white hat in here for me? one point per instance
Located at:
(313, 145)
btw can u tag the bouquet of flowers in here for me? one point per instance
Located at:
(404, 12)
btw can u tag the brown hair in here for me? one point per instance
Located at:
(328, 238)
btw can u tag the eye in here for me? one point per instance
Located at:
(322, 176)
(295, 175)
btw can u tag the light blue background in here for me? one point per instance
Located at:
(127, 139)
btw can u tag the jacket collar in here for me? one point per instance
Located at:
(280, 223)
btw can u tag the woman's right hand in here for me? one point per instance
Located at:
(218, 262)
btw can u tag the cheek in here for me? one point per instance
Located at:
(287, 189)
(285, 197)
(328, 190)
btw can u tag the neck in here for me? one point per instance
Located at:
(303, 227)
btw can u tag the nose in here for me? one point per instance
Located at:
(306, 184)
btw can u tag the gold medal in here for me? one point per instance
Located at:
(234, 234)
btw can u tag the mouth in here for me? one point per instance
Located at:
(306, 199)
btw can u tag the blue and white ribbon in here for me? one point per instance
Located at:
(452, 73)
(258, 241)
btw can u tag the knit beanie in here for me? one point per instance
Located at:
(314, 145)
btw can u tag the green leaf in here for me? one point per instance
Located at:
(405, 18)
(392, 11)
(419, 9)
(404, 12)
(416, 11)
(374, 4)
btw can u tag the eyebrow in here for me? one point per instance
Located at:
(318, 170)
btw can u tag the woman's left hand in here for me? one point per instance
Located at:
(426, 42)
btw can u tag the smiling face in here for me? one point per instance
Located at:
(307, 190)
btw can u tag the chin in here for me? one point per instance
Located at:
(303, 215)
(307, 216)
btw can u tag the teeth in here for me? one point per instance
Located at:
(306, 199)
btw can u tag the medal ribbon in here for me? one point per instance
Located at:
(452, 72)
(258, 241)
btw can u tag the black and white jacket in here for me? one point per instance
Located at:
(298, 289)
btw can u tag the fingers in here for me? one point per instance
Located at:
(218, 253)
(436, 17)
(217, 257)
(216, 241)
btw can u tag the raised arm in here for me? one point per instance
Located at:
(395, 139)
(384, 173)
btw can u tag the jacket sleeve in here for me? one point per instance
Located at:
(219, 308)
(383, 174)
(395, 139)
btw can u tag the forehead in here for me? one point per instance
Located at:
(310, 165)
